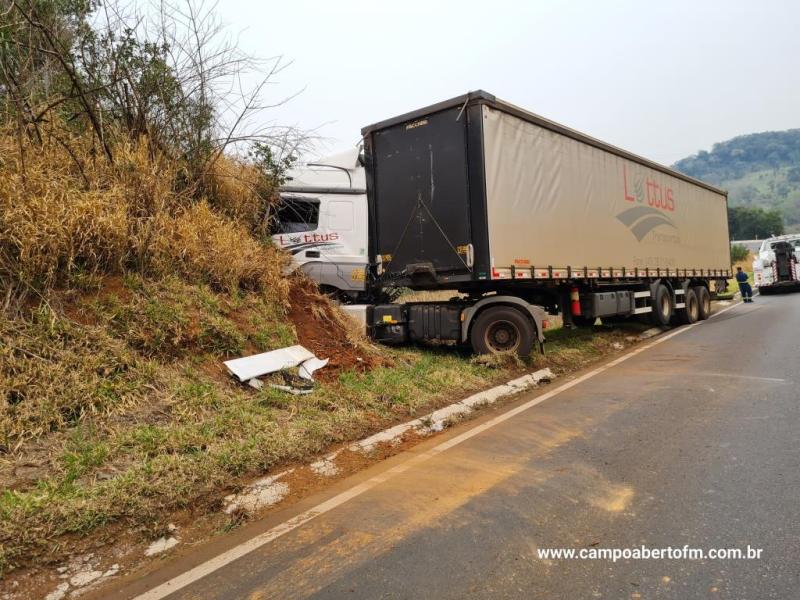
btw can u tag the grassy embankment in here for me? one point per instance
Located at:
(119, 409)
(122, 293)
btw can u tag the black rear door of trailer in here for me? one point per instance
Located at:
(421, 197)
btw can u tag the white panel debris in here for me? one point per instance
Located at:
(308, 367)
(250, 367)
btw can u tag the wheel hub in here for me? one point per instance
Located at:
(665, 305)
(502, 336)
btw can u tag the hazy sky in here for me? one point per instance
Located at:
(660, 79)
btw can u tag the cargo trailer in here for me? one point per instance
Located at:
(527, 217)
(475, 190)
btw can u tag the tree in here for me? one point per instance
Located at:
(739, 253)
(747, 223)
(171, 77)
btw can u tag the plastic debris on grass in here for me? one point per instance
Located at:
(248, 369)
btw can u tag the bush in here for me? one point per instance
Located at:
(739, 253)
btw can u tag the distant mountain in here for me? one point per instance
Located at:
(758, 170)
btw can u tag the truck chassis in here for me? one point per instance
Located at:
(514, 319)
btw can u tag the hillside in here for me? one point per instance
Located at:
(135, 258)
(759, 170)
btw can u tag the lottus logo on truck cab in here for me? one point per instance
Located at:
(653, 202)
(297, 242)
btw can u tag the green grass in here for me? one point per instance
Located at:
(152, 427)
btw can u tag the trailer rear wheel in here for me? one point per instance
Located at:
(662, 306)
(703, 302)
(502, 329)
(690, 312)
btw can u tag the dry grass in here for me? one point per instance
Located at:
(202, 246)
(51, 223)
(59, 223)
(237, 190)
(55, 374)
(151, 426)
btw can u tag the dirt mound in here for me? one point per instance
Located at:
(323, 329)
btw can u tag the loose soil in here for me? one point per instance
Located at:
(326, 332)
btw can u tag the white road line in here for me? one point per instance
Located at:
(736, 376)
(221, 560)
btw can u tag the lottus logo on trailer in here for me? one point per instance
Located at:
(653, 203)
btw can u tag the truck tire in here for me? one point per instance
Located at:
(703, 302)
(690, 312)
(663, 306)
(502, 329)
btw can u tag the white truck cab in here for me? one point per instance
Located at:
(763, 271)
(321, 221)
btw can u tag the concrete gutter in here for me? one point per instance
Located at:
(269, 490)
(439, 419)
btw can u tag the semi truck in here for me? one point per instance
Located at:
(321, 221)
(526, 218)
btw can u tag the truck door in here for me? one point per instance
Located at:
(421, 203)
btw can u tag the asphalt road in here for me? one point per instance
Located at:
(695, 442)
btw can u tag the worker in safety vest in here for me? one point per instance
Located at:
(744, 287)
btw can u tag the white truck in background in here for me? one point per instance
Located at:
(775, 267)
(321, 221)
